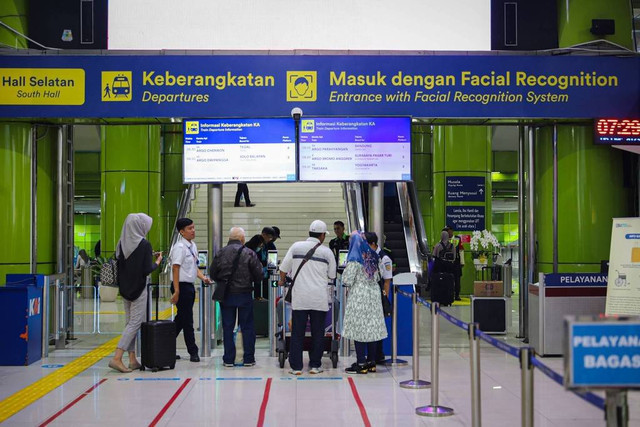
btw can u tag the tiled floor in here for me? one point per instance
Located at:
(206, 393)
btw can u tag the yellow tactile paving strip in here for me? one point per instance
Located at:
(25, 397)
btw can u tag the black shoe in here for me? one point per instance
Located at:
(177, 357)
(194, 358)
(458, 299)
(250, 205)
(371, 366)
(236, 206)
(356, 368)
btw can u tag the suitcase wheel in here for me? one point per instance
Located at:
(281, 357)
(334, 359)
(142, 368)
(172, 366)
(154, 369)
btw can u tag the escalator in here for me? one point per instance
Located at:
(403, 226)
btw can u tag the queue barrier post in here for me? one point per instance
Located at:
(394, 361)
(205, 320)
(474, 358)
(415, 382)
(526, 375)
(434, 410)
(616, 408)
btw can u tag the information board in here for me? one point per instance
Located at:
(465, 189)
(355, 149)
(466, 218)
(239, 150)
(623, 290)
(602, 354)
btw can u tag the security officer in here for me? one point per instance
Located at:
(341, 241)
(385, 266)
(458, 262)
(184, 269)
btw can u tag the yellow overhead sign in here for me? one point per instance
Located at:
(42, 86)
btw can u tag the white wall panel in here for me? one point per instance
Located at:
(302, 24)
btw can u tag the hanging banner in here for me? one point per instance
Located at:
(623, 289)
(157, 85)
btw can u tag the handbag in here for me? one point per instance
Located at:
(307, 257)
(387, 309)
(220, 292)
(109, 272)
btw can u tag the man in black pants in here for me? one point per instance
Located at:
(243, 190)
(184, 269)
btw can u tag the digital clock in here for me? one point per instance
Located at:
(617, 131)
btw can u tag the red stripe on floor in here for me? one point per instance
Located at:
(76, 400)
(265, 401)
(356, 396)
(169, 403)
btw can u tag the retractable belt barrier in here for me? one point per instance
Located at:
(525, 354)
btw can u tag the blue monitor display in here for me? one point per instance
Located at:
(239, 150)
(355, 149)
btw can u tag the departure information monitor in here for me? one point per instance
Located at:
(355, 149)
(617, 131)
(239, 150)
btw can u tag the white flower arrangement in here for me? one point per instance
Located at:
(484, 241)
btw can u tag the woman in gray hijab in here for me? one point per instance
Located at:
(135, 263)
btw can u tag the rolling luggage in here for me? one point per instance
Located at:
(261, 317)
(158, 343)
(442, 288)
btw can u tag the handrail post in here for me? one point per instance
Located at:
(616, 408)
(415, 382)
(205, 320)
(526, 375)
(45, 318)
(474, 359)
(273, 321)
(394, 361)
(434, 410)
(346, 343)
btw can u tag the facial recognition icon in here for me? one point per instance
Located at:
(308, 126)
(302, 86)
(192, 128)
(116, 86)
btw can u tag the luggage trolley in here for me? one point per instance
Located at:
(283, 328)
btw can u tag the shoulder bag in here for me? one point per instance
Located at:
(307, 257)
(222, 286)
(109, 272)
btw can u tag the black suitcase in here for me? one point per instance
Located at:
(158, 344)
(261, 317)
(442, 288)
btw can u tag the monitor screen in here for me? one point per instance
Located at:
(203, 259)
(239, 150)
(342, 257)
(355, 149)
(273, 258)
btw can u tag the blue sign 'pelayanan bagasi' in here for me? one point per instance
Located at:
(160, 85)
(603, 354)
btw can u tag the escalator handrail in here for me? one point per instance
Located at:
(185, 204)
(423, 241)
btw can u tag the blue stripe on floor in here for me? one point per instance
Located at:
(239, 379)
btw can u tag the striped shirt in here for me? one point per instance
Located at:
(310, 289)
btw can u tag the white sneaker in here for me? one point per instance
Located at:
(318, 370)
(295, 372)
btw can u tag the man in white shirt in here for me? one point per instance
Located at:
(184, 269)
(309, 298)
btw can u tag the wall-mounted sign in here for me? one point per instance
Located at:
(617, 131)
(466, 218)
(465, 189)
(623, 290)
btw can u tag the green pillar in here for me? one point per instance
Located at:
(15, 176)
(422, 176)
(14, 14)
(130, 165)
(574, 21)
(47, 143)
(172, 185)
(590, 193)
(460, 151)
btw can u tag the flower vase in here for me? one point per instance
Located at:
(480, 262)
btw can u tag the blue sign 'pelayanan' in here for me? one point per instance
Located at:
(153, 85)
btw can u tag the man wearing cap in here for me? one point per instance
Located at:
(309, 294)
(184, 269)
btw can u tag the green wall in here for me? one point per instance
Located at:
(14, 14)
(86, 232)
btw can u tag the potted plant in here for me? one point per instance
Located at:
(483, 245)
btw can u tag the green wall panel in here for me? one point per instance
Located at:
(505, 162)
(574, 21)
(87, 174)
(46, 203)
(125, 148)
(14, 14)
